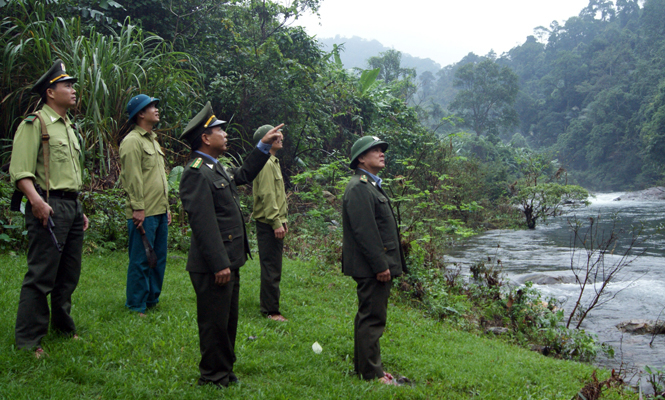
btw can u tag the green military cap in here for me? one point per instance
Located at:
(261, 132)
(203, 120)
(362, 145)
(56, 73)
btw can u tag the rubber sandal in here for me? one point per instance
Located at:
(40, 353)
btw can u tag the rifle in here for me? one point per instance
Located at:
(149, 251)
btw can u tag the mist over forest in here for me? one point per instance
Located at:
(590, 91)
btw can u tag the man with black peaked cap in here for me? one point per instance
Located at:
(147, 207)
(371, 253)
(270, 215)
(219, 245)
(45, 167)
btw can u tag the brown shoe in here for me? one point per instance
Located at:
(277, 317)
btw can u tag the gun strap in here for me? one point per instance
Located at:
(45, 149)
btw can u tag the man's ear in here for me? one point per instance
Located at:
(49, 93)
(361, 159)
(205, 139)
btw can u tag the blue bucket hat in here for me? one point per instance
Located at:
(138, 103)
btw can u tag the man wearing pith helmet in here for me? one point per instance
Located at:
(270, 215)
(143, 178)
(45, 167)
(219, 245)
(371, 253)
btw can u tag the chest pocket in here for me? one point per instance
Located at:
(149, 156)
(59, 150)
(223, 194)
(383, 207)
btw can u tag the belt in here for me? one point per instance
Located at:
(61, 194)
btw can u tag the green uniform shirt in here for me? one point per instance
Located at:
(269, 195)
(142, 173)
(64, 150)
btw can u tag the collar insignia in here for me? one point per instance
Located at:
(209, 165)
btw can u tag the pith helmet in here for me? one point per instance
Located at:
(261, 132)
(204, 119)
(362, 145)
(55, 74)
(138, 103)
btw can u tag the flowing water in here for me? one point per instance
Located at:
(546, 250)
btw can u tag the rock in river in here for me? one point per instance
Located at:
(642, 326)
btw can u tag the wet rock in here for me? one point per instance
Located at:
(651, 194)
(544, 350)
(497, 330)
(642, 326)
(328, 196)
(543, 279)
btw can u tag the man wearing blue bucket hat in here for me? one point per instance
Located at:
(147, 207)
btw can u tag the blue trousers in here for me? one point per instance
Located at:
(144, 284)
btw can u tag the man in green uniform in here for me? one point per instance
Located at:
(47, 171)
(147, 208)
(371, 253)
(271, 226)
(219, 245)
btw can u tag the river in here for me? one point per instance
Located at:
(546, 250)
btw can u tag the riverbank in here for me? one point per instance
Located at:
(124, 356)
(545, 251)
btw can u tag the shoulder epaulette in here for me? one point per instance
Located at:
(363, 178)
(30, 118)
(197, 163)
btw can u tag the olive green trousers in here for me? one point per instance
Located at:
(50, 272)
(369, 324)
(270, 258)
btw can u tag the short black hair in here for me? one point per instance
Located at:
(198, 142)
(52, 87)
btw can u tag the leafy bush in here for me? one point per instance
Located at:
(108, 223)
(482, 301)
(13, 235)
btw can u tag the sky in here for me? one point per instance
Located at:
(444, 31)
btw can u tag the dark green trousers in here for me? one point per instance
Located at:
(369, 325)
(217, 317)
(270, 258)
(50, 272)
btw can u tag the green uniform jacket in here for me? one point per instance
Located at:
(64, 150)
(270, 196)
(143, 176)
(210, 197)
(371, 236)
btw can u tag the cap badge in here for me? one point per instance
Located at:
(375, 138)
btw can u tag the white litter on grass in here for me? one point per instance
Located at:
(316, 347)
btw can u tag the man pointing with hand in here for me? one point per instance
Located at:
(219, 245)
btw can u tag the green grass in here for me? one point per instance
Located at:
(127, 357)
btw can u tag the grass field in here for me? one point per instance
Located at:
(122, 356)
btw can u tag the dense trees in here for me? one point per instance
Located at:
(589, 91)
(486, 97)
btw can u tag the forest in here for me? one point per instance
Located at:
(589, 91)
(488, 142)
